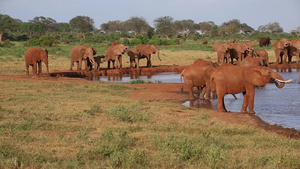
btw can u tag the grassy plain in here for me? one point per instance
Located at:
(74, 123)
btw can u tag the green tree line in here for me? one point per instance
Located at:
(132, 31)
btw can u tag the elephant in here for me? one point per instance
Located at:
(252, 61)
(114, 54)
(262, 53)
(264, 41)
(232, 79)
(295, 50)
(282, 47)
(98, 59)
(238, 51)
(142, 51)
(194, 76)
(34, 57)
(80, 53)
(223, 51)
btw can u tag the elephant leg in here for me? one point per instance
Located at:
(27, 69)
(40, 68)
(120, 61)
(114, 64)
(79, 64)
(108, 64)
(34, 68)
(191, 95)
(202, 93)
(207, 92)
(221, 104)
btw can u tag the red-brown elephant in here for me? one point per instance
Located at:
(82, 53)
(34, 57)
(231, 79)
(282, 47)
(194, 76)
(223, 51)
(114, 54)
(264, 41)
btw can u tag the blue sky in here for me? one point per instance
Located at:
(252, 12)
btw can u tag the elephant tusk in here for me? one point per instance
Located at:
(284, 81)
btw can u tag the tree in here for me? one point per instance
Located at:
(8, 24)
(113, 26)
(271, 27)
(63, 27)
(48, 24)
(185, 27)
(82, 25)
(31, 28)
(164, 26)
(137, 25)
(296, 31)
(235, 26)
(206, 27)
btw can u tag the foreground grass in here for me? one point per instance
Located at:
(54, 123)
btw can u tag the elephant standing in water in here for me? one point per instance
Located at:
(34, 57)
(195, 76)
(114, 54)
(80, 53)
(231, 79)
(142, 51)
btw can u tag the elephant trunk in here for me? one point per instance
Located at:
(276, 77)
(158, 55)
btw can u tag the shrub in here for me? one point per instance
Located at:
(47, 40)
(6, 43)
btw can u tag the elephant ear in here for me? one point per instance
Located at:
(253, 76)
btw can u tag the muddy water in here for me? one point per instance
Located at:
(272, 105)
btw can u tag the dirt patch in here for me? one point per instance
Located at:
(170, 92)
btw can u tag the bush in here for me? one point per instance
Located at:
(47, 40)
(6, 43)
(135, 41)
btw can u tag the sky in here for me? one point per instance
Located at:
(252, 12)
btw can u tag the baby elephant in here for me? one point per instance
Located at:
(98, 59)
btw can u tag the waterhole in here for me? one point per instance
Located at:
(272, 105)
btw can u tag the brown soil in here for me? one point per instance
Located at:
(170, 92)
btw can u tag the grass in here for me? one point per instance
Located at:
(49, 123)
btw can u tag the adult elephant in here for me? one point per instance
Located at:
(194, 76)
(142, 51)
(294, 50)
(34, 57)
(82, 53)
(231, 79)
(264, 41)
(252, 61)
(238, 51)
(223, 51)
(263, 54)
(282, 47)
(114, 54)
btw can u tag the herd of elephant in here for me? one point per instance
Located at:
(284, 49)
(35, 56)
(251, 67)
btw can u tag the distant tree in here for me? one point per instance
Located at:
(271, 27)
(296, 31)
(206, 27)
(235, 26)
(48, 24)
(164, 26)
(113, 26)
(81, 25)
(31, 29)
(185, 27)
(8, 24)
(63, 27)
(137, 25)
